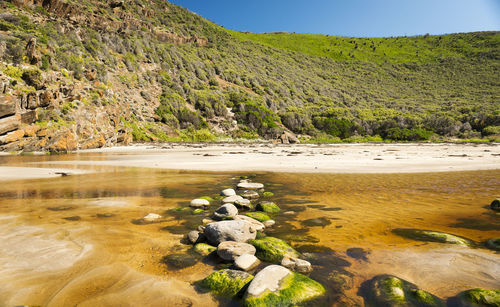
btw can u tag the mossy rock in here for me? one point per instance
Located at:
(259, 216)
(268, 207)
(226, 283)
(198, 211)
(495, 205)
(390, 291)
(294, 290)
(204, 249)
(480, 298)
(493, 244)
(273, 250)
(432, 236)
(267, 194)
(207, 198)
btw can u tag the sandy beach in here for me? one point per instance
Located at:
(304, 158)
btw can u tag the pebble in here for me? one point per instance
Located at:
(199, 203)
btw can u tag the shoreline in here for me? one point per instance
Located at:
(359, 158)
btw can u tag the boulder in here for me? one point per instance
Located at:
(250, 194)
(273, 250)
(495, 205)
(432, 236)
(479, 298)
(246, 262)
(278, 286)
(226, 283)
(250, 186)
(243, 204)
(179, 261)
(296, 265)
(239, 231)
(387, 290)
(493, 244)
(204, 249)
(268, 207)
(231, 199)
(10, 123)
(230, 250)
(256, 224)
(199, 203)
(228, 192)
(195, 237)
(259, 216)
(227, 211)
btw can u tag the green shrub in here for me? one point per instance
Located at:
(404, 134)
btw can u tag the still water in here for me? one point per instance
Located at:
(78, 240)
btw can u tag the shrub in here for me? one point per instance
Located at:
(404, 134)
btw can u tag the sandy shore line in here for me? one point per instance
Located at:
(306, 158)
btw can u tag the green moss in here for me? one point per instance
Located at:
(204, 249)
(267, 194)
(226, 283)
(259, 216)
(481, 297)
(207, 198)
(294, 290)
(268, 207)
(273, 250)
(198, 211)
(432, 236)
(389, 290)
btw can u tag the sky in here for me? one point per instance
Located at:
(358, 18)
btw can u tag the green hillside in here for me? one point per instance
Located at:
(158, 72)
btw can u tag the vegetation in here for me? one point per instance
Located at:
(321, 87)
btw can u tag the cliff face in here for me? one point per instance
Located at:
(87, 74)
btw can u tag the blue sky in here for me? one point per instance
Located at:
(351, 17)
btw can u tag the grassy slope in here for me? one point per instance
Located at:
(308, 82)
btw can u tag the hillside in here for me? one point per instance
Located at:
(85, 74)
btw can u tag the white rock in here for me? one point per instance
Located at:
(228, 192)
(297, 265)
(239, 231)
(230, 250)
(243, 203)
(268, 279)
(226, 211)
(151, 217)
(231, 199)
(250, 185)
(269, 223)
(246, 262)
(256, 224)
(199, 203)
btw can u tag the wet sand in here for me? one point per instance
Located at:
(301, 158)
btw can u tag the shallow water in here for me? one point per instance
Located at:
(78, 240)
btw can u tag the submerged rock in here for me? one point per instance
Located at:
(259, 216)
(268, 207)
(199, 203)
(246, 262)
(226, 211)
(230, 250)
(204, 249)
(239, 231)
(479, 298)
(250, 185)
(387, 290)
(267, 194)
(321, 221)
(296, 265)
(226, 283)
(432, 236)
(495, 205)
(269, 223)
(228, 192)
(278, 286)
(273, 250)
(493, 244)
(179, 261)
